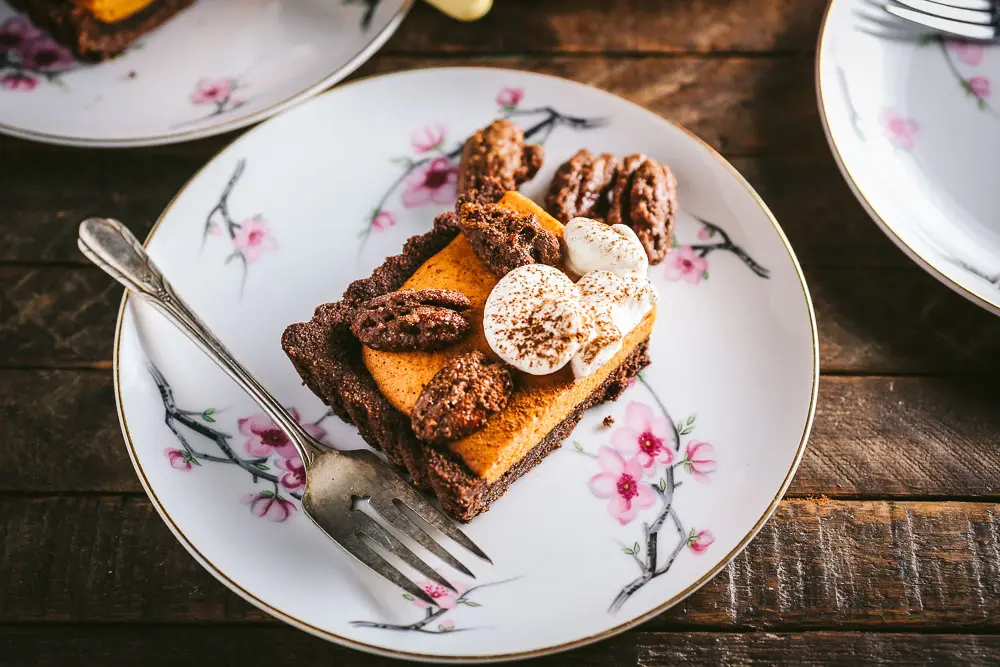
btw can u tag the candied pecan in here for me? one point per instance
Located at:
(644, 197)
(489, 191)
(427, 319)
(504, 239)
(460, 398)
(581, 185)
(498, 150)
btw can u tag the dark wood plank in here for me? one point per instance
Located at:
(589, 26)
(159, 646)
(893, 320)
(873, 437)
(817, 564)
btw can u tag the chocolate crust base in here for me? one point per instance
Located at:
(91, 40)
(328, 358)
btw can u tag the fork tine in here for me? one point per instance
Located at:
(980, 5)
(355, 546)
(408, 526)
(383, 538)
(420, 507)
(948, 12)
(967, 30)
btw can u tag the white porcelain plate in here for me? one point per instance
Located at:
(914, 123)
(288, 215)
(217, 66)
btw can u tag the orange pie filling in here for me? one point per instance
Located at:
(112, 11)
(539, 402)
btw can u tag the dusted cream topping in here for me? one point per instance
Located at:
(592, 245)
(534, 319)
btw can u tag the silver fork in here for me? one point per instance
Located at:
(971, 19)
(343, 489)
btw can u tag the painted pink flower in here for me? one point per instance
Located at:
(508, 98)
(18, 82)
(700, 542)
(621, 482)
(180, 460)
(254, 237)
(901, 131)
(644, 437)
(969, 53)
(382, 221)
(15, 31)
(427, 138)
(295, 473)
(685, 264)
(443, 597)
(705, 234)
(447, 625)
(434, 183)
(980, 86)
(264, 437)
(270, 505)
(699, 460)
(212, 91)
(632, 381)
(235, 102)
(215, 230)
(43, 54)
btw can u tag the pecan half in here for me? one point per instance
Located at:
(427, 319)
(489, 191)
(581, 185)
(504, 239)
(460, 398)
(644, 197)
(498, 150)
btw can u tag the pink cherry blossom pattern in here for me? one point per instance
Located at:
(632, 382)
(212, 91)
(685, 264)
(382, 221)
(254, 238)
(295, 473)
(700, 541)
(214, 230)
(447, 625)
(180, 460)
(434, 183)
(443, 597)
(15, 31)
(969, 53)
(705, 234)
(980, 86)
(235, 102)
(265, 438)
(270, 505)
(508, 98)
(899, 130)
(18, 81)
(644, 437)
(427, 138)
(43, 54)
(699, 460)
(620, 481)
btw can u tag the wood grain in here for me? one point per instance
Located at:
(873, 437)
(618, 26)
(162, 646)
(817, 564)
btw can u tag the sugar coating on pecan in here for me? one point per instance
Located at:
(581, 186)
(504, 239)
(460, 398)
(489, 191)
(644, 197)
(498, 151)
(408, 320)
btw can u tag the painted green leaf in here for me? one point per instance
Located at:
(407, 596)
(577, 446)
(663, 484)
(470, 603)
(704, 275)
(261, 466)
(635, 548)
(628, 551)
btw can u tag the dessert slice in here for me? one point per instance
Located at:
(491, 405)
(98, 29)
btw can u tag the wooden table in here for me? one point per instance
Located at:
(886, 548)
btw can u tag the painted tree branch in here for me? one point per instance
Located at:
(222, 205)
(727, 244)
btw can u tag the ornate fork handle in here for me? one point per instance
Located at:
(112, 247)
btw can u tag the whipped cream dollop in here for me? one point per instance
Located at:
(592, 245)
(617, 304)
(535, 320)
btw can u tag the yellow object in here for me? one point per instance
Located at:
(463, 10)
(112, 11)
(538, 404)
